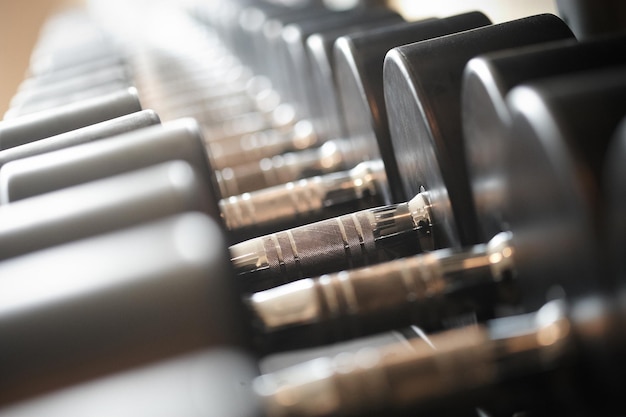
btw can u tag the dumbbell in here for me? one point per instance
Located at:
(46, 123)
(505, 367)
(81, 309)
(100, 206)
(528, 252)
(97, 131)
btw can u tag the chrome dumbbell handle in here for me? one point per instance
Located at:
(423, 290)
(354, 240)
(305, 201)
(485, 361)
(332, 156)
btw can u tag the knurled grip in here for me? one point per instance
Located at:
(293, 200)
(344, 242)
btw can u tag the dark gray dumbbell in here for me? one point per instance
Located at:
(547, 238)
(94, 306)
(423, 95)
(87, 162)
(484, 112)
(290, 265)
(100, 206)
(46, 123)
(102, 130)
(294, 79)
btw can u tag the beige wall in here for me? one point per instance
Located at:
(20, 21)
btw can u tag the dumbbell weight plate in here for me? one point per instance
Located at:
(38, 174)
(85, 134)
(486, 82)
(422, 91)
(72, 116)
(326, 113)
(293, 56)
(211, 382)
(554, 206)
(113, 301)
(359, 73)
(99, 206)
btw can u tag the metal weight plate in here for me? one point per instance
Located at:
(326, 113)
(85, 134)
(99, 207)
(359, 73)
(269, 36)
(293, 53)
(486, 82)
(560, 131)
(211, 382)
(116, 300)
(180, 139)
(423, 95)
(62, 119)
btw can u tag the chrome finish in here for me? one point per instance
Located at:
(305, 199)
(422, 290)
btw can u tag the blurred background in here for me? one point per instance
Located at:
(20, 22)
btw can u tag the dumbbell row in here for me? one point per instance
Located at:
(47, 174)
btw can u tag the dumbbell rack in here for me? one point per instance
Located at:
(178, 235)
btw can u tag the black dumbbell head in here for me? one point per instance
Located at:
(486, 82)
(559, 134)
(46, 123)
(326, 112)
(359, 72)
(423, 95)
(98, 305)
